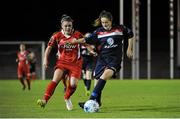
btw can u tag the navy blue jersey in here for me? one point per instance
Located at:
(109, 43)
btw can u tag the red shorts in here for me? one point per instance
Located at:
(73, 69)
(23, 71)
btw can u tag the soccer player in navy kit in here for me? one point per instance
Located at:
(32, 62)
(87, 67)
(109, 39)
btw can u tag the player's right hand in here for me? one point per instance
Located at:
(45, 63)
(17, 60)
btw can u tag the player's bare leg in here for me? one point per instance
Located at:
(50, 88)
(69, 92)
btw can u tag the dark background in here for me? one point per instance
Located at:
(37, 20)
(31, 20)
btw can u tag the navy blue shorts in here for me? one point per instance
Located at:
(32, 67)
(113, 63)
(88, 63)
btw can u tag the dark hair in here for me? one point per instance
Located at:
(105, 14)
(66, 18)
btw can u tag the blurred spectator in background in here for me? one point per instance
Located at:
(87, 67)
(32, 61)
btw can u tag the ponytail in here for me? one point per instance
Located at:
(97, 22)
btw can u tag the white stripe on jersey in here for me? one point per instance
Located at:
(79, 51)
(111, 34)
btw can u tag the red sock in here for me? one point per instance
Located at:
(69, 91)
(50, 90)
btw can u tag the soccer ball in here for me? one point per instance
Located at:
(91, 106)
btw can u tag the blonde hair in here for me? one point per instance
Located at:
(97, 22)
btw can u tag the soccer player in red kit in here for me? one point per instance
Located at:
(23, 69)
(69, 60)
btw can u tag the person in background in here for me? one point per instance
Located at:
(32, 61)
(87, 68)
(108, 37)
(23, 69)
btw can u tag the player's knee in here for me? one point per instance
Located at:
(73, 82)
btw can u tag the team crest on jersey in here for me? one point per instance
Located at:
(110, 42)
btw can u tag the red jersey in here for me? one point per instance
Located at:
(23, 64)
(22, 58)
(67, 53)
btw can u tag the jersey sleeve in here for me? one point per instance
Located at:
(127, 32)
(78, 34)
(92, 38)
(52, 41)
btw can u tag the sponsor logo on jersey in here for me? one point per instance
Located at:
(110, 42)
(68, 47)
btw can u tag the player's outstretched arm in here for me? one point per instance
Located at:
(80, 40)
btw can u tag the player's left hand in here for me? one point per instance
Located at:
(45, 63)
(93, 53)
(129, 53)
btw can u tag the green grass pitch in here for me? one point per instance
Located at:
(120, 99)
